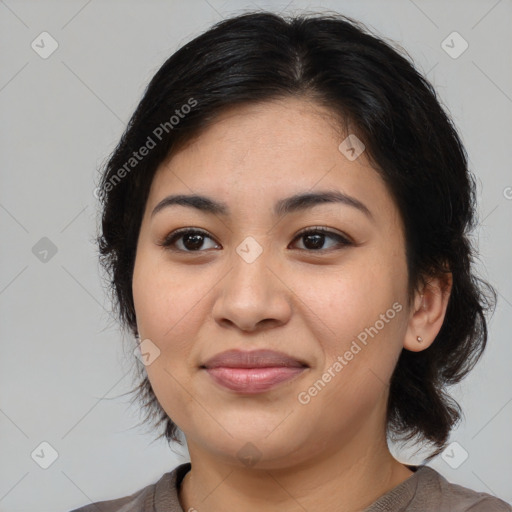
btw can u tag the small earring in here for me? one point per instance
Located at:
(419, 338)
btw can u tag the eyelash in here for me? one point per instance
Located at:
(170, 239)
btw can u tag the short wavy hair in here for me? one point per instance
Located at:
(375, 89)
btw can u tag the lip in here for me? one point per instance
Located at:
(252, 359)
(253, 380)
(252, 372)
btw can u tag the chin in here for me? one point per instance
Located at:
(266, 447)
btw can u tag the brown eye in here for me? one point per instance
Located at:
(314, 239)
(192, 240)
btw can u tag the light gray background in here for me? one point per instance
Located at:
(62, 365)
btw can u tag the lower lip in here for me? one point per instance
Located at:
(252, 380)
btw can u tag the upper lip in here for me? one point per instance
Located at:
(252, 359)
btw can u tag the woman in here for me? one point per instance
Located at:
(285, 225)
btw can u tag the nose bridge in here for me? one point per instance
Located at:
(249, 273)
(251, 293)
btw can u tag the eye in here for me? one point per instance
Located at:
(316, 237)
(193, 239)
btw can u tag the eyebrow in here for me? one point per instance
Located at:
(295, 203)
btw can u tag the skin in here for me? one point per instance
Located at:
(330, 454)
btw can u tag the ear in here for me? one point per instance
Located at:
(428, 313)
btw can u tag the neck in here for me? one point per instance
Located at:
(349, 478)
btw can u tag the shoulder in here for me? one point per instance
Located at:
(159, 496)
(132, 503)
(451, 497)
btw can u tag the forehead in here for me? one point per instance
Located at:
(254, 155)
(297, 129)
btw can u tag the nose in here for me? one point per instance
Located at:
(252, 297)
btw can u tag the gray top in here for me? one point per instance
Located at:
(425, 490)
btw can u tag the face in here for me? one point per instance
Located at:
(254, 279)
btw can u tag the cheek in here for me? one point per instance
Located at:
(356, 317)
(164, 298)
(351, 382)
(342, 303)
(164, 305)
